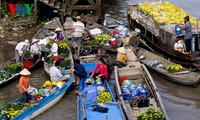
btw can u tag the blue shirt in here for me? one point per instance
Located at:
(91, 93)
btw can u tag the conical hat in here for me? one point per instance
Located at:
(35, 40)
(24, 72)
(58, 29)
(121, 50)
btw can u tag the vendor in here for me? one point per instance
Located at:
(58, 34)
(179, 45)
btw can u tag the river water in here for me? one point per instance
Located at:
(181, 102)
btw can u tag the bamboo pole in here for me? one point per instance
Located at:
(35, 10)
(0, 10)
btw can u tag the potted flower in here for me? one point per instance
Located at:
(63, 47)
(27, 54)
(150, 114)
(174, 67)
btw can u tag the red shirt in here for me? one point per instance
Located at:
(102, 69)
(24, 81)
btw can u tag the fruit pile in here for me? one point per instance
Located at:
(13, 67)
(165, 13)
(4, 75)
(104, 97)
(13, 109)
(174, 67)
(103, 38)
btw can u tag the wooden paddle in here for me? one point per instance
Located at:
(180, 72)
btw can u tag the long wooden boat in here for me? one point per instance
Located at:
(41, 34)
(85, 111)
(184, 77)
(138, 74)
(162, 37)
(42, 105)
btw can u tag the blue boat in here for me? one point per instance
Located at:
(43, 104)
(85, 111)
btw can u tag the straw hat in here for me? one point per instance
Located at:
(24, 72)
(121, 50)
(78, 17)
(35, 40)
(26, 41)
(58, 29)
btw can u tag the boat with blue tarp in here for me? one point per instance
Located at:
(87, 111)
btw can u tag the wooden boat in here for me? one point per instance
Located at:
(162, 37)
(110, 22)
(44, 104)
(85, 111)
(91, 25)
(184, 77)
(41, 34)
(138, 74)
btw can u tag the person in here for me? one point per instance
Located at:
(90, 91)
(179, 45)
(19, 49)
(58, 35)
(24, 84)
(188, 33)
(54, 48)
(78, 70)
(55, 73)
(101, 70)
(78, 30)
(35, 49)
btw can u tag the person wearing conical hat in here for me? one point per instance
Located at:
(123, 55)
(35, 49)
(24, 84)
(58, 34)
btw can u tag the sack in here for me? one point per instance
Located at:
(98, 108)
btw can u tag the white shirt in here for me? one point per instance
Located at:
(35, 48)
(54, 49)
(79, 27)
(55, 74)
(21, 47)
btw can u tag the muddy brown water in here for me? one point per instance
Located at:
(181, 102)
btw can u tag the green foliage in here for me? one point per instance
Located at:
(66, 62)
(150, 114)
(89, 43)
(27, 54)
(13, 67)
(4, 75)
(48, 46)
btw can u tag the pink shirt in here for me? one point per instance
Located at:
(102, 69)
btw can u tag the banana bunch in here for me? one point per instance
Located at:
(103, 38)
(12, 113)
(174, 67)
(104, 97)
(165, 13)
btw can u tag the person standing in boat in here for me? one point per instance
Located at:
(78, 70)
(54, 48)
(55, 73)
(90, 91)
(78, 30)
(188, 33)
(35, 49)
(24, 84)
(19, 50)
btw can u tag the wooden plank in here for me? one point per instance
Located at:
(84, 7)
